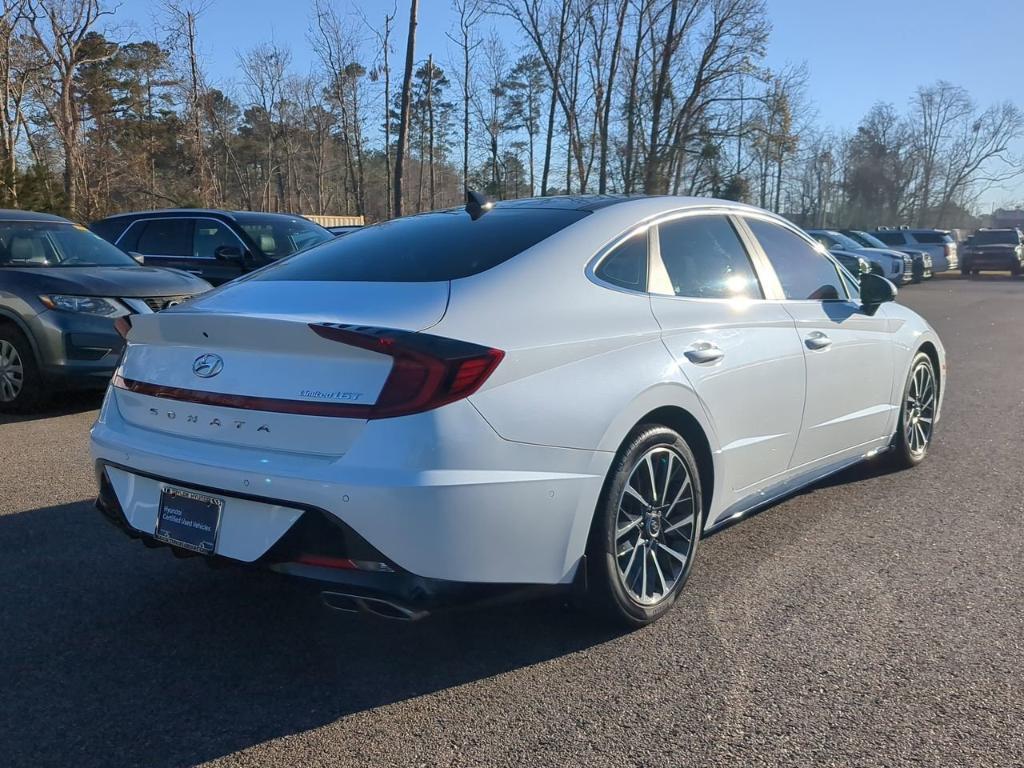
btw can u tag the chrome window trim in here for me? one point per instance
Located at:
(178, 218)
(650, 224)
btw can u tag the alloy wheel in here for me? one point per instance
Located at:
(12, 372)
(654, 528)
(919, 409)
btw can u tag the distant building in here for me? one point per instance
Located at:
(1005, 219)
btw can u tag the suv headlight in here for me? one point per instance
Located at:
(88, 305)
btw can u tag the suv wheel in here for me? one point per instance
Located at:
(21, 387)
(646, 528)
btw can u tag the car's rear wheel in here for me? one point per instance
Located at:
(21, 387)
(917, 413)
(646, 528)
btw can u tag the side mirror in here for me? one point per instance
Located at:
(875, 290)
(230, 253)
(137, 256)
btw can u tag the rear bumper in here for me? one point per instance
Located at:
(316, 548)
(467, 507)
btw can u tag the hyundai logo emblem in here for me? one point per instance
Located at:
(207, 366)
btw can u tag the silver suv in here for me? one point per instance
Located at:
(938, 242)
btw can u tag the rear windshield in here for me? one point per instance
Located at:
(932, 237)
(444, 245)
(996, 237)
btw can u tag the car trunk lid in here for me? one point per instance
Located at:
(219, 370)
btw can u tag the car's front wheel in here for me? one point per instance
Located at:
(646, 527)
(917, 414)
(21, 387)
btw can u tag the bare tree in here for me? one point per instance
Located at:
(469, 14)
(18, 65)
(264, 69)
(937, 110)
(403, 126)
(978, 156)
(182, 17)
(384, 38)
(62, 30)
(338, 49)
(605, 78)
(544, 30)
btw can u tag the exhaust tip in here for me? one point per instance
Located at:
(373, 606)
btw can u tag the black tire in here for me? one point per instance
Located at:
(31, 392)
(607, 548)
(915, 429)
(965, 272)
(1015, 270)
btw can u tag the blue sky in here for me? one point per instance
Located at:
(857, 51)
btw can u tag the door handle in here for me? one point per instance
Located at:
(818, 340)
(704, 352)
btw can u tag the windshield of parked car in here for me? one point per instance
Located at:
(277, 236)
(831, 239)
(444, 245)
(56, 244)
(869, 240)
(996, 237)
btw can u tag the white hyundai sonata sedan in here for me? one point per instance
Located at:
(558, 392)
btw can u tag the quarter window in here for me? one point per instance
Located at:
(805, 274)
(166, 237)
(705, 259)
(626, 266)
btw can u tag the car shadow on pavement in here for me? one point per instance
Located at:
(62, 404)
(113, 654)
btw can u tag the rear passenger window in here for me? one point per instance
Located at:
(166, 237)
(805, 274)
(891, 238)
(626, 266)
(705, 259)
(932, 238)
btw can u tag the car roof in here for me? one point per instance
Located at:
(160, 212)
(10, 214)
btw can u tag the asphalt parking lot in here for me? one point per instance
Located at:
(874, 620)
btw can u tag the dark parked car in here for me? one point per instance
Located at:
(61, 289)
(995, 249)
(216, 245)
(893, 265)
(344, 230)
(923, 265)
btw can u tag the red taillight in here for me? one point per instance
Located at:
(428, 371)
